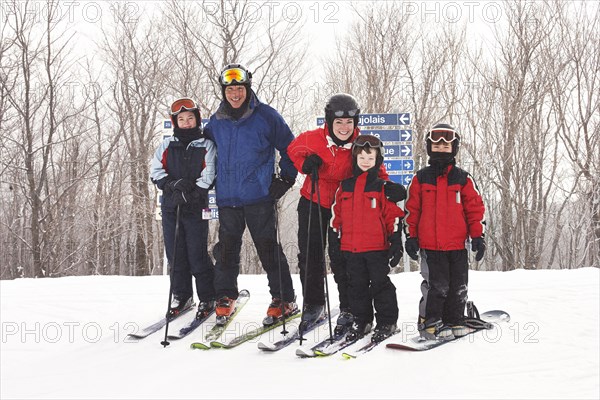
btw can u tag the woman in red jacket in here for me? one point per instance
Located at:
(367, 223)
(443, 209)
(327, 151)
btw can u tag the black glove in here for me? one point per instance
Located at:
(179, 198)
(183, 185)
(197, 195)
(478, 245)
(279, 186)
(396, 251)
(395, 192)
(412, 247)
(311, 163)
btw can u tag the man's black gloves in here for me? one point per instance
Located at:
(279, 186)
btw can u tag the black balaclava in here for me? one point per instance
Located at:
(186, 136)
(440, 161)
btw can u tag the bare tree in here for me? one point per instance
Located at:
(392, 64)
(574, 93)
(140, 65)
(210, 37)
(36, 91)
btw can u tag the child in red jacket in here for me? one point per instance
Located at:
(325, 156)
(366, 223)
(443, 209)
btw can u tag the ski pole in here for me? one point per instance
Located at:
(279, 249)
(316, 178)
(312, 192)
(165, 342)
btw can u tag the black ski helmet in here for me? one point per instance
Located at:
(341, 105)
(184, 104)
(446, 129)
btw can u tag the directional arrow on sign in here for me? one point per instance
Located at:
(406, 135)
(404, 119)
(408, 165)
(406, 179)
(406, 150)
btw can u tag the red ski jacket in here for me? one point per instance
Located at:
(363, 215)
(337, 162)
(442, 211)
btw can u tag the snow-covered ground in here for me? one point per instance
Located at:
(65, 338)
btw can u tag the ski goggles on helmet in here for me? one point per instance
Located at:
(368, 141)
(346, 113)
(237, 75)
(184, 104)
(437, 135)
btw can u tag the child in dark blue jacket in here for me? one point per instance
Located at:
(183, 167)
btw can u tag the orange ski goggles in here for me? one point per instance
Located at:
(184, 104)
(234, 75)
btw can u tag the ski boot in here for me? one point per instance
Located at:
(225, 307)
(205, 308)
(344, 322)
(178, 304)
(310, 314)
(358, 330)
(275, 313)
(382, 332)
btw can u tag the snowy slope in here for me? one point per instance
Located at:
(65, 338)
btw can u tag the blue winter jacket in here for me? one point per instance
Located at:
(246, 153)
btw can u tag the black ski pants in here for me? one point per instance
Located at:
(312, 274)
(445, 284)
(192, 255)
(260, 220)
(369, 285)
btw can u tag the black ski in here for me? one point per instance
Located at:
(295, 335)
(190, 327)
(367, 347)
(155, 327)
(317, 349)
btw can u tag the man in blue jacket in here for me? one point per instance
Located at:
(246, 133)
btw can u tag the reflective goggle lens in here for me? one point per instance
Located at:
(234, 74)
(367, 140)
(446, 135)
(183, 105)
(349, 113)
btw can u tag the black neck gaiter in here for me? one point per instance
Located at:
(440, 161)
(186, 136)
